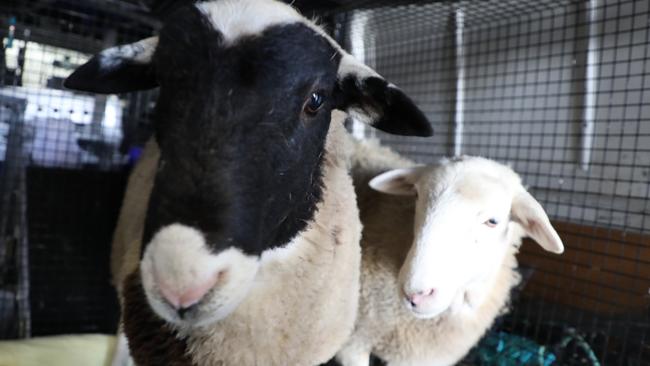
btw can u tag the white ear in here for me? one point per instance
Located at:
(399, 182)
(532, 217)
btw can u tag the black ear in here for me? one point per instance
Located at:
(117, 70)
(369, 98)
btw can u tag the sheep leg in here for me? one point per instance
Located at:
(353, 355)
(121, 355)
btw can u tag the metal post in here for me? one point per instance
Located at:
(459, 114)
(358, 49)
(591, 86)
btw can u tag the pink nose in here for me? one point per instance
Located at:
(417, 298)
(187, 297)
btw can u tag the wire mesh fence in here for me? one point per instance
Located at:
(558, 89)
(62, 165)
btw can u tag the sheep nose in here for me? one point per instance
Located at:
(418, 297)
(185, 299)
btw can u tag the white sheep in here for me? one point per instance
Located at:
(436, 269)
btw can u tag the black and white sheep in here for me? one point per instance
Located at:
(437, 269)
(238, 242)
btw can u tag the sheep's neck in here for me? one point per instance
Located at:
(300, 289)
(484, 301)
(151, 341)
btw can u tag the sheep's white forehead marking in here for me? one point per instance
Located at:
(139, 52)
(238, 18)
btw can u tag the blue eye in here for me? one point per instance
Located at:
(491, 222)
(314, 103)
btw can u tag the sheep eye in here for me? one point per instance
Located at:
(491, 222)
(314, 103)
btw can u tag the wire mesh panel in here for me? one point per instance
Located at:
(561, 91)
(63, 159)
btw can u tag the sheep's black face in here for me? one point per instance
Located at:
(241, 128)
(246, 93)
